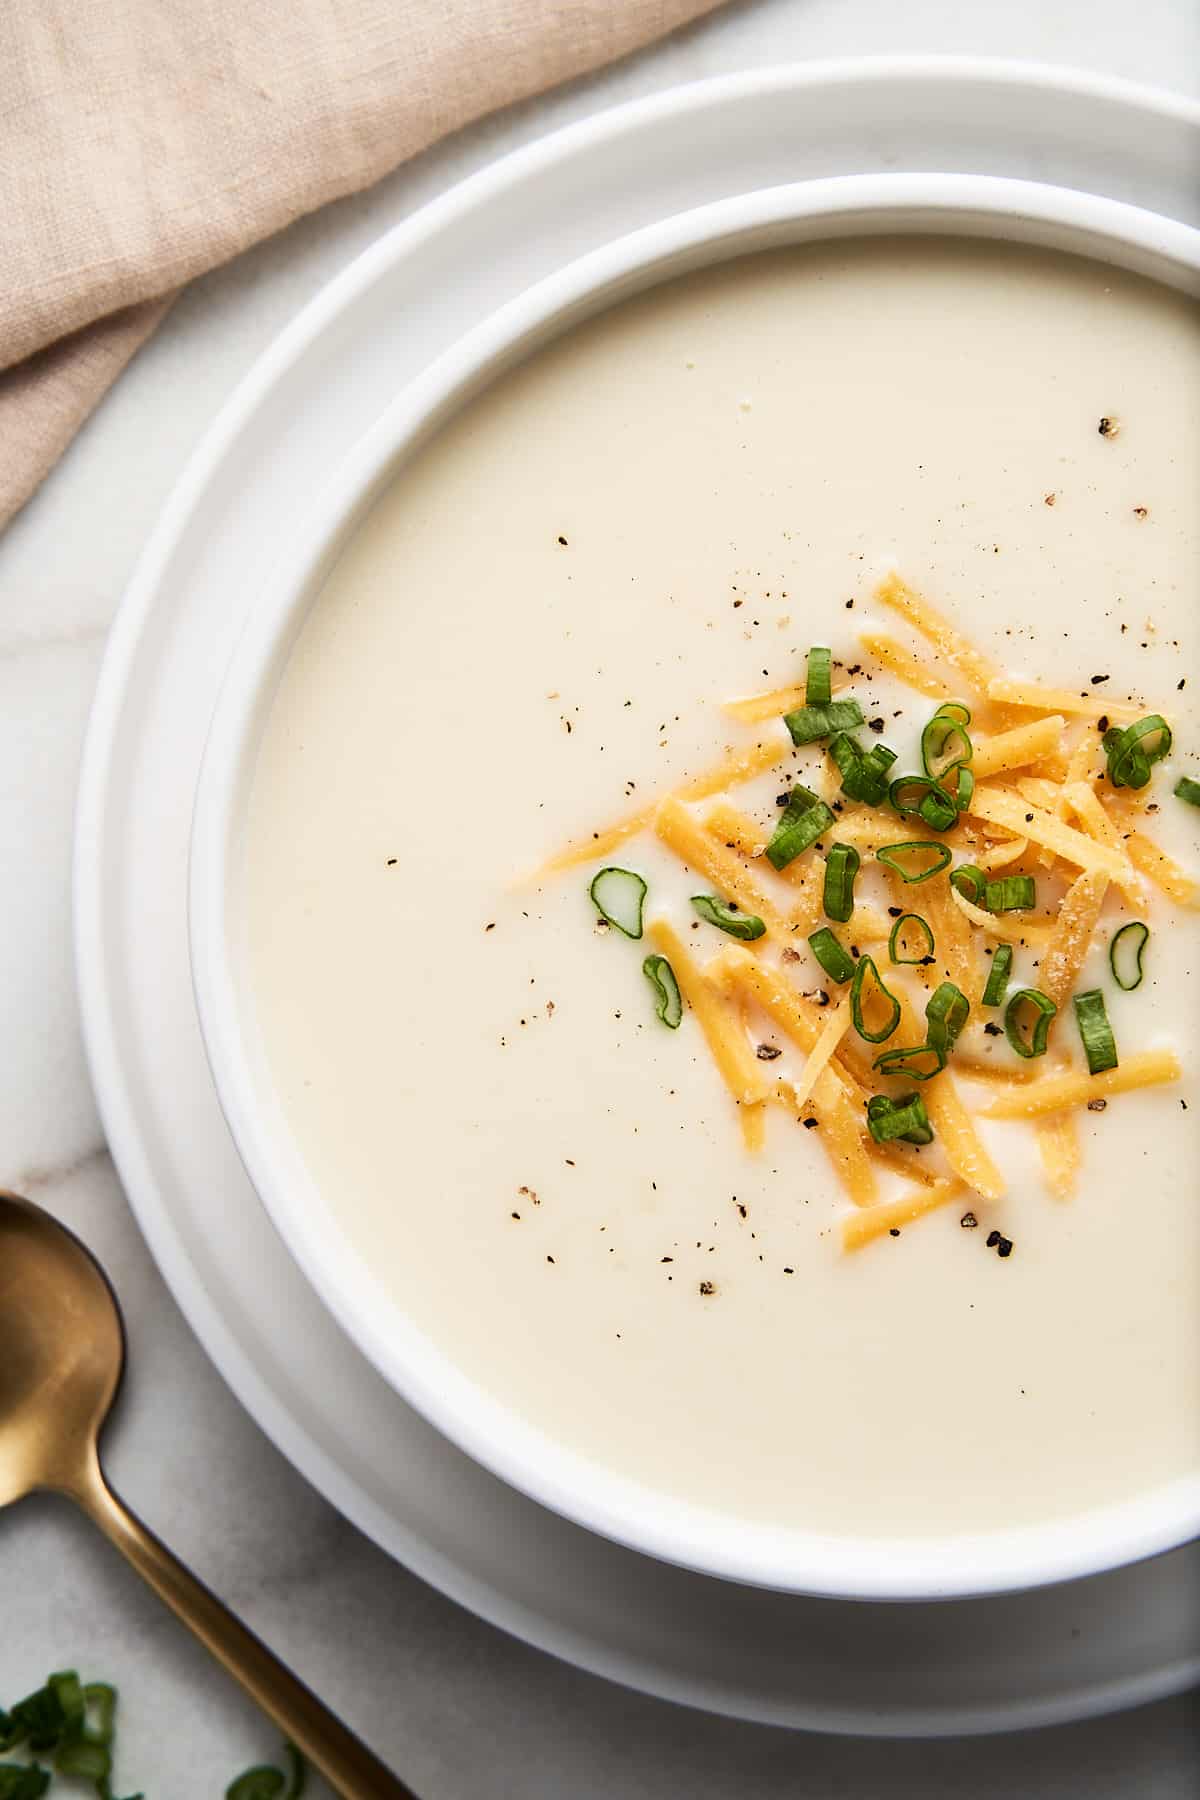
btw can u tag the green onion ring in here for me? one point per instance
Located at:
(917, 795)
(836, 961)
(669, 1001)
(818, 677)
(1099, 1044)
(841, 866)
(866, 963)
(864, 773)
(887, 854)
(1130, 758)
(1129, 942)
(714, 911)
(1045, 1009)
(945, 743)
(894, 939)
(947, 1011)
(905, 1062)
(618, 896)
(970, 881)
(1012, 893)
(998, 974)
(804, 819)
(904, 1118)
(1187, 789)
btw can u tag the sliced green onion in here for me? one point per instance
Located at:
(900, 858)
(905, 1119)
(263, 1783)
(669, 1001)
(970, 881)
(1013, 893)
(818, 678)
(713, 911)
(864, 772)
(836, 961)
(804, 819)
(865, 970)
(808, 724)
(91, 1762)
(998, 974)
(1125, 954)
(945, 743)
(23, 1781)
(100, 1704)
(964, 789)
(1099, 1044)
(917, 796)
(267, 1783)
(920, 1061)
(1045, 1009)
(618, 896)
(841, 867)
(1187, 789)
(1132, 753)
(947, 1011)
(928, 945)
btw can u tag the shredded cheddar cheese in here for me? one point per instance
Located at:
(1033, 803)
(892, 1215)
(1057, 1093)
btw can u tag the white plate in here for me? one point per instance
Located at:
(951, 1667)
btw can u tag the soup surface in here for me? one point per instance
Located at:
(532, 631)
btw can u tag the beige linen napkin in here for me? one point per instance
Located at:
(144, 141)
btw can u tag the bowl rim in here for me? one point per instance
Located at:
(636, 1515)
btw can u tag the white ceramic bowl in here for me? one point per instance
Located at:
(867, 1568)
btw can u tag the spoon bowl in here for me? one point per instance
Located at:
(61, 1364)
(64, 1352)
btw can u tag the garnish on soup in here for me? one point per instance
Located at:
(1020, 833)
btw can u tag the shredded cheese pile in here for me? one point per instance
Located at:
(1039, 805)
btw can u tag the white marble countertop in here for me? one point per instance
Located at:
(461, 1710)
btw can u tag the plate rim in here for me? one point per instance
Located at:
(136, 611)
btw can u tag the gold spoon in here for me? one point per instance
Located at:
(60, 1366)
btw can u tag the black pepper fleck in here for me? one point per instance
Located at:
(810, 1124)
(993, 1238)
(1096, 1105)
(707, 1288)
(893, 1231)
(768, 1052)
(968, 1221)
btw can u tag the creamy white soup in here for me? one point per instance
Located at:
(535, 632)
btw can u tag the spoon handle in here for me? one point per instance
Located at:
(346, 1763)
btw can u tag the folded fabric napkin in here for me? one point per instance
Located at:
(145, 141)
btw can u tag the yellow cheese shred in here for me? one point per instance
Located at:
(1081, 798)
(873, 1222)
(1058, 700)
(752, 709)
(735, 766)
(1071, 938)
(1017, 748)
(1009, 850)
(915, 671)
(719, 1020)
(1162, 870)
(972, 664)
(1057, 1093)
(1024, 819)
(754, 1125)
(682, 833)
(1059, 1152)
(834, 1029)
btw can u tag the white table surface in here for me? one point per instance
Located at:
(461, 1710)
